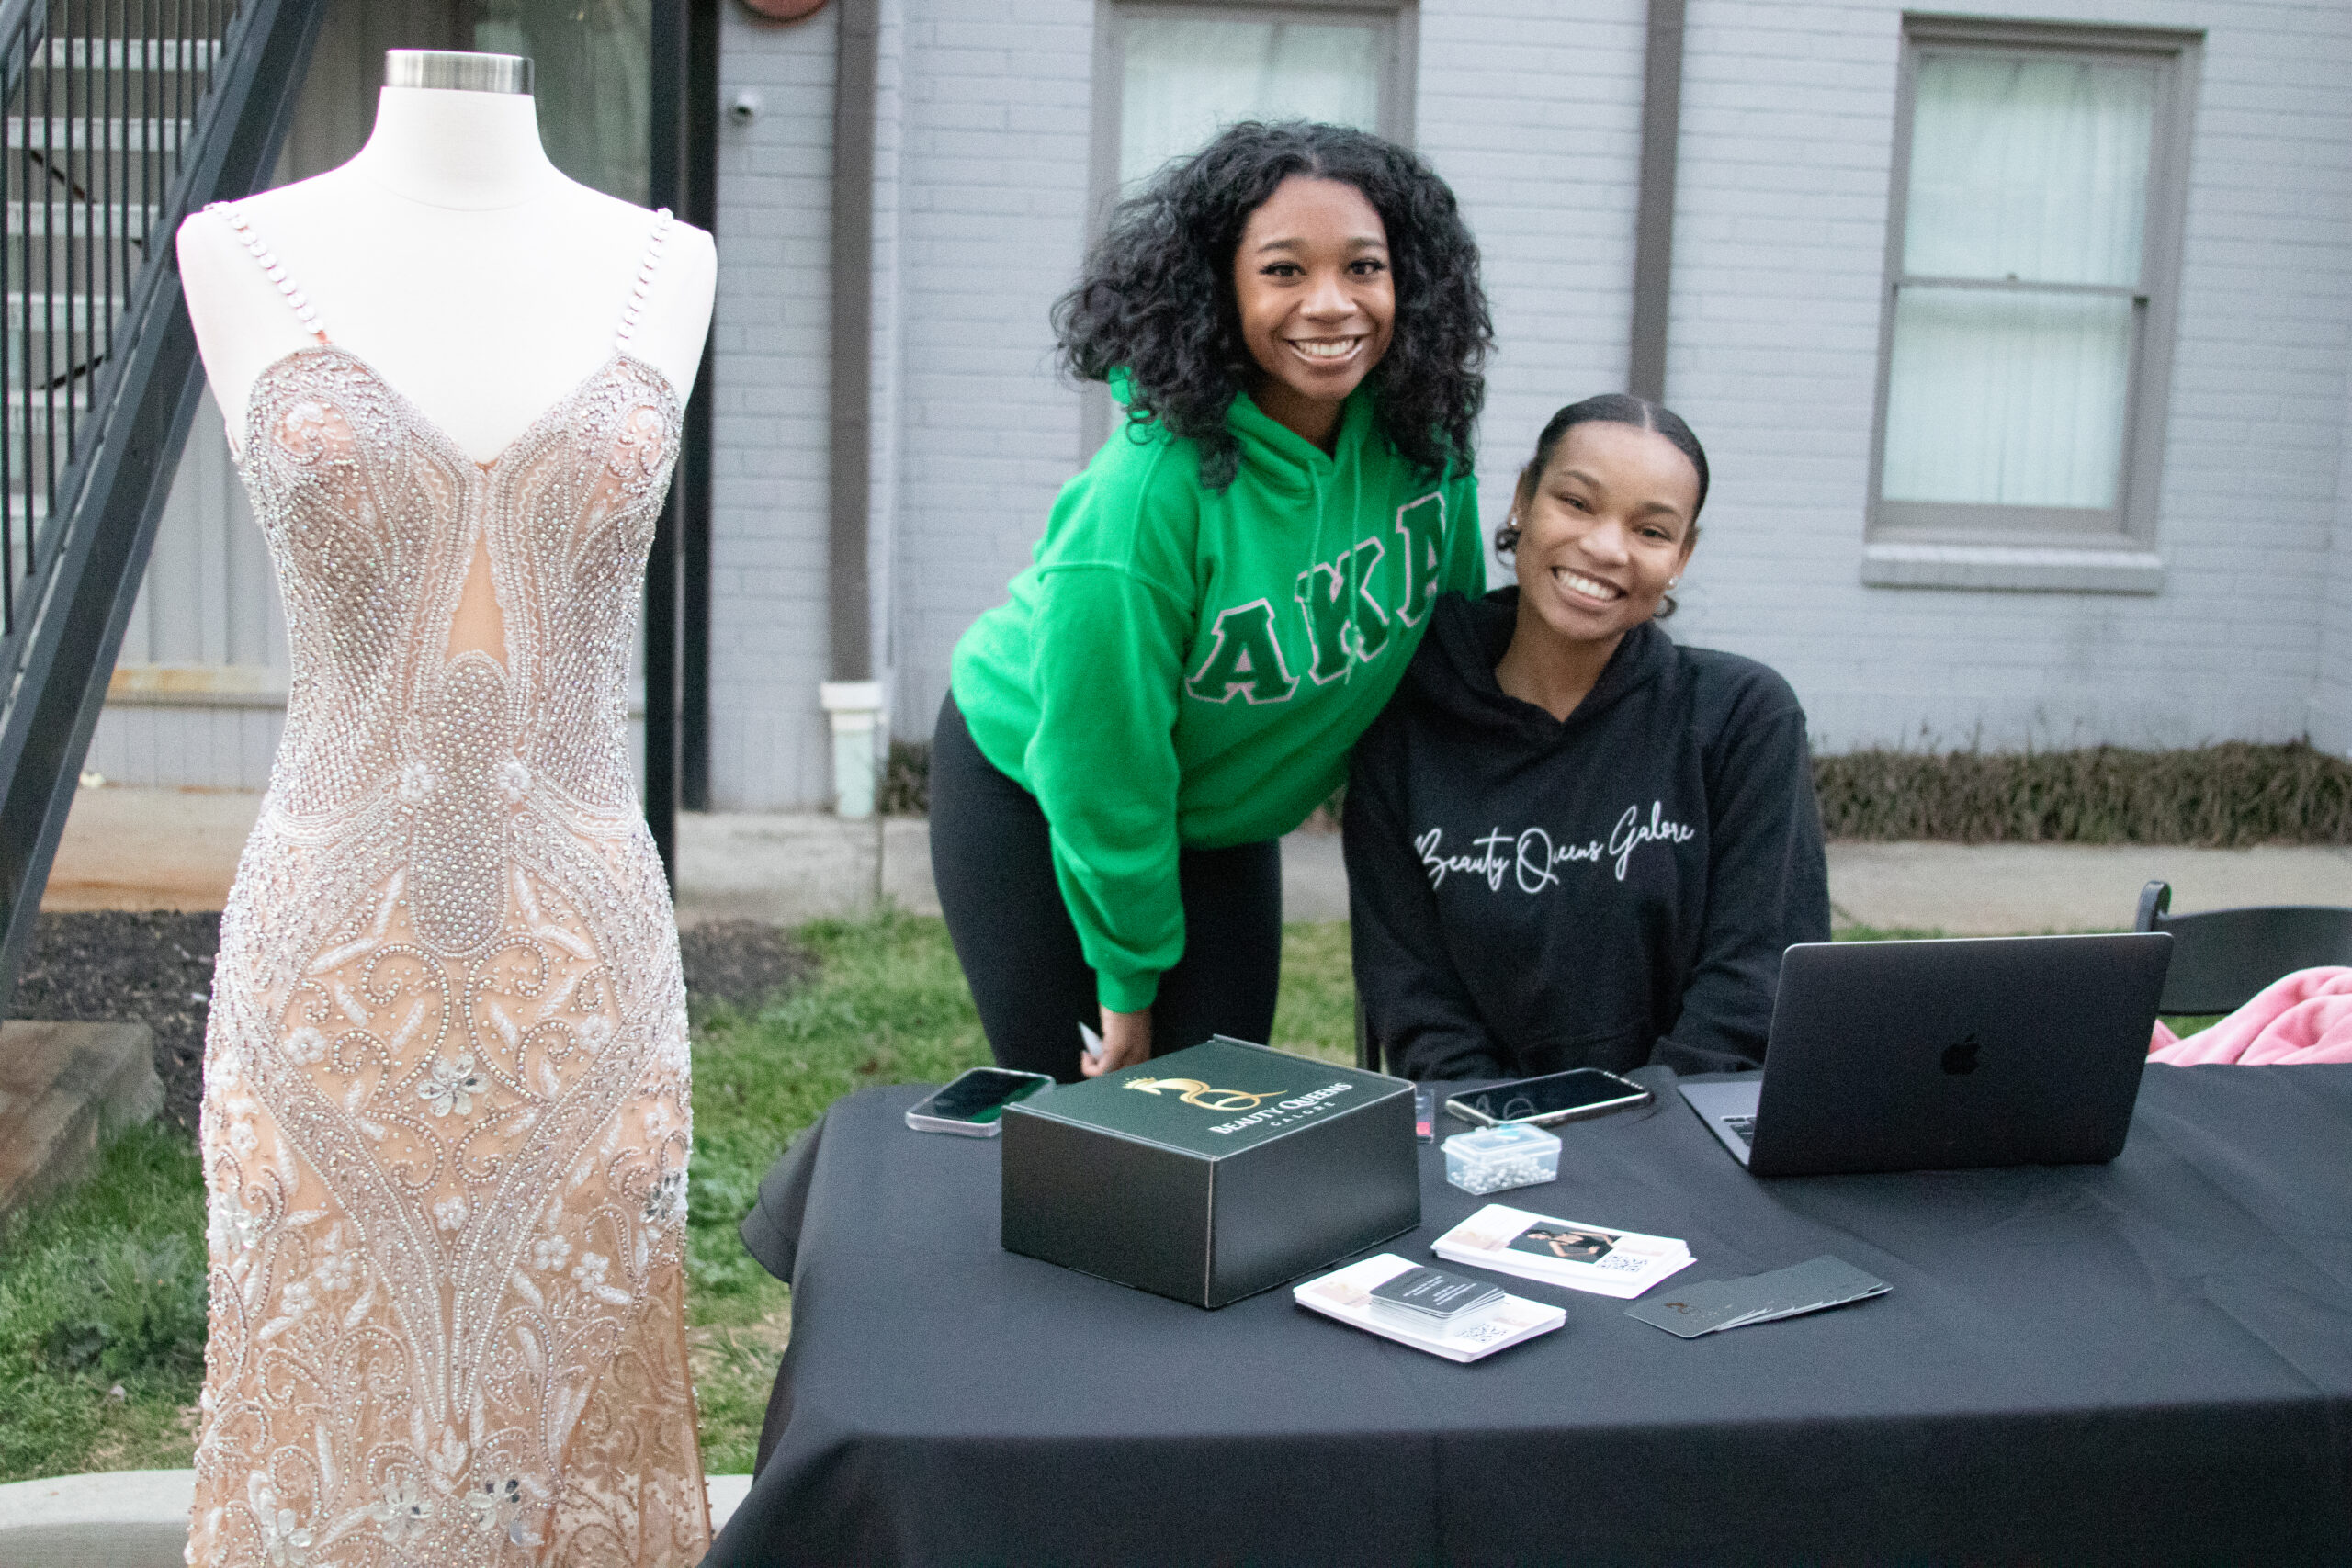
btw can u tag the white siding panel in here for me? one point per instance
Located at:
(210, 596)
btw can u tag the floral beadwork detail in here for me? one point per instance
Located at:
(285, 1539)
(451, 1086)
(500, 1510)
(404, 1514)
(232, 1229)
(666, 1204)
(446, 1119)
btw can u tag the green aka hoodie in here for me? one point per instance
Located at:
(1186, 666)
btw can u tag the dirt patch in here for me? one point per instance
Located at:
(745, 963)
(116, 967)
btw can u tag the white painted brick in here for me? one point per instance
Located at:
(772, 434)
(1787, 148)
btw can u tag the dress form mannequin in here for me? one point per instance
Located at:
(447, 1117)
(456, 260)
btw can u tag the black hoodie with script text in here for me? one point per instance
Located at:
(1530, 895)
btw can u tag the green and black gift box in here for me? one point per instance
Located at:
(1211, 1174)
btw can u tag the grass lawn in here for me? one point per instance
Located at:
(102, 1291)
(888, 1005)
(101, 1316)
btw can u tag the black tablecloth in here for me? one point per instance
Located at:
(2143, 1363)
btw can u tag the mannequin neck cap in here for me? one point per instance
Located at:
(454, 70)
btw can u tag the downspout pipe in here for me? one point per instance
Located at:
(853, 698)
(1653, 215)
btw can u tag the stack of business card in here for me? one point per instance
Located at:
(1710, 1307)
(1434, 1300)
(1428, 1309)
(1563, 1252)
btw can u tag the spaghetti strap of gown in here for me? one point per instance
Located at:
(446, 1119)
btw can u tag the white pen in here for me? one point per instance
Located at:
(1089, 1042)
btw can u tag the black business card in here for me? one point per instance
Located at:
(1434, 1293)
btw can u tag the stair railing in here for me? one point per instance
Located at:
(121, 116)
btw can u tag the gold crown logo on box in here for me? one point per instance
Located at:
(1195, 1092)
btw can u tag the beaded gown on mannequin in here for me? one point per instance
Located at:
(445, 1126)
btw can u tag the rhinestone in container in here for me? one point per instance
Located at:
(1493, 1159)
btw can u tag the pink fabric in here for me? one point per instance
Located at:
(2305, 1016)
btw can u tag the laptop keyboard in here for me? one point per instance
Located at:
(1742, 1125)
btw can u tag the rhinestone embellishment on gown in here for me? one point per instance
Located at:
(446, 1119)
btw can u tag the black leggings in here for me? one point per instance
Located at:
(994, 867)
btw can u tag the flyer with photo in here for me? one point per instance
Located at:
(1573, 1253)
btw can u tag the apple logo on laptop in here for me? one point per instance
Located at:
(1961, 1059)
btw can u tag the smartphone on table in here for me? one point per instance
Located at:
(972, 1104)
(1545, 1101)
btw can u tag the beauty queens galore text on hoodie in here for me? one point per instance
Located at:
(1187, 666)
(1530, 895)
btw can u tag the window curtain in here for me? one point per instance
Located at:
(1185, 78)
(2023, 171)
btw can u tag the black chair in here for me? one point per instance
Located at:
(2222, 957)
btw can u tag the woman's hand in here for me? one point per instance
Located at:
(1126, 1040)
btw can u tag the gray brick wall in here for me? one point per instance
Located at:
(991, 223)
(772, 436)
(1537, 125)
(1787, 144)
(2332, 697)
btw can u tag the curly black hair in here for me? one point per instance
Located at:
(1157, 298)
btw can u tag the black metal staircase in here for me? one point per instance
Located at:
(121, 117)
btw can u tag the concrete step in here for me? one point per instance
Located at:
(150, 849)
(164, 849)
(138, 1518)
(788, 868)
(62, 1086)
(129, 1518)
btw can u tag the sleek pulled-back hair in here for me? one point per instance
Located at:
(1157, 298)
(1608, 408)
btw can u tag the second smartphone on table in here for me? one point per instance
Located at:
(1548, 1100)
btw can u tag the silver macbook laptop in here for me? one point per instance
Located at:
(1932, 1055)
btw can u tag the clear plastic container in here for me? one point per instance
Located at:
(1493, 1159)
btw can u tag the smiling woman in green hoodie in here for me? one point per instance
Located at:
(1221, 601)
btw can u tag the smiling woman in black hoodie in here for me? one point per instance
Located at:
(1571, 842)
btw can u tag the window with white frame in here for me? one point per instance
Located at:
(1172, 76)
(2030, 270)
